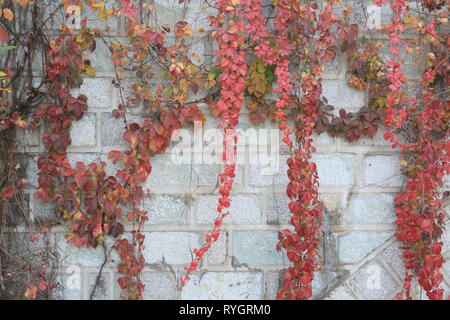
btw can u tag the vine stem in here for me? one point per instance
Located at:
(99, 275)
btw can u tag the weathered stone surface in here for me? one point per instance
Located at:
(85, 257)
(335, 169)
(382, 170)
(84, 132)
(224, 286)
(341, 293)
(170, 247)
(43, 210)
(98, 91)
(392, 256)
(356, 245)
(166, 210)
(340, 95)
(218, 251)
(112, 131)
(158, 286)
(371, 208)
(243, 209)
(101, 58)
(70, 287)
(31, 171)
(259, 178)
(256, 248)
(102, 291)
(373, 282)
(165, 172)
(278, 211)
(27, 138)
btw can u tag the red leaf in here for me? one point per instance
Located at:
(4, 37)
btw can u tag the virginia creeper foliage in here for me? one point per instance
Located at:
(263, 51)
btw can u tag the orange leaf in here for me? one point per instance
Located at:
(8, 14)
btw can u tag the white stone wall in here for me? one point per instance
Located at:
(357, 185)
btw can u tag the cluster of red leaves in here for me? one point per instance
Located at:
(365, 68)
(420, 218)
(231, 60)
(128, 10)
(352, 125)
(59, 182)
(169, 111)
(93, 202)
(72, 190)
(144, 140)
(302, 244)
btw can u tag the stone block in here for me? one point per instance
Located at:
(355, 246)
(170, 247)
(224, 286)
(243, 209)
(256, 248)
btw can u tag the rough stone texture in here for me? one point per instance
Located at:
(84, 257)
(165, 172)
(84, 132)
(355, 246)
(112, 131)
(166, 210)
(243, 209)
(256, 248)
(218, 251)
(383, 171)
(28, 138)
(258, 179)
(43, 210)
(31, 171)
(272, 284)
(98, 91)
(341, 293)
(357, 184)
(335, 169)
(371, 208)
(278, 211)
(101, 57)
(340, 95)
(373, 282)
(393, 259)
(224, 286)
(159, 286)
(102, 291)
(170, 247)
(69, 289)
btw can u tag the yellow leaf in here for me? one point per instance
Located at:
(8, 14)
(90, 71)
(21, 123)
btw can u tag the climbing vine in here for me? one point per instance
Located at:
(269, 57)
